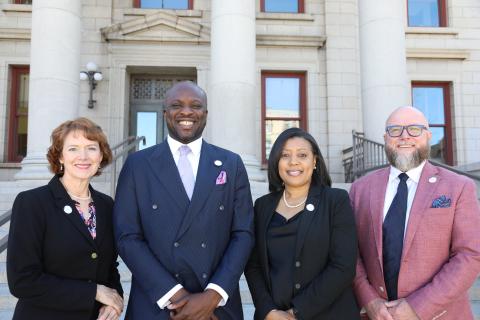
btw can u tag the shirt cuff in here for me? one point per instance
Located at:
(220, 291)
(165, 300)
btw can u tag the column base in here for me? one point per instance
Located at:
(34, 168)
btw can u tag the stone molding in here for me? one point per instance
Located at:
(143, 29)
(10, 7)
(271, 40)
(179, 13)
(453, 54)
(431, 31)
(284, 16)
(15, 34)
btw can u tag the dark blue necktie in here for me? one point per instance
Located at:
(393, 229)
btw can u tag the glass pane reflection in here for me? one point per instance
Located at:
(423, 13)
(437, 145)
(282, 97)
(281, 6)
(147, 126)
(430, 101)
(273, 128)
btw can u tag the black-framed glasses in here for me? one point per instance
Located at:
(414, 130)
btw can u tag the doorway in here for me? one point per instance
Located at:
(147, 95)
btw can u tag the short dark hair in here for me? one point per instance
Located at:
(90, 130)
(320, 175)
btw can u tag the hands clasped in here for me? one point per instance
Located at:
(112, 303)
(194, 306)
(280, 315)
(380, 309)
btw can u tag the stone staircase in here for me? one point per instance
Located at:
(9, 189)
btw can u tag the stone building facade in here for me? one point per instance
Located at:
(330, 66)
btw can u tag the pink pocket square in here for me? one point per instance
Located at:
(222, 178)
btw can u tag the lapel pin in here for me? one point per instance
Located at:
(67, 209)
(310, 207)
(218, 163)
(432, 179)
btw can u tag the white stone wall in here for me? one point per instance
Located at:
(324, 42)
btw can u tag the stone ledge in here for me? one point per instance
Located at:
(15, 34)
(420, 53)
(434, 31)
(284, 16)
(272, 40)
(179, 13)
(10, 7)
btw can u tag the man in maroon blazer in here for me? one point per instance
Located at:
(419, 231)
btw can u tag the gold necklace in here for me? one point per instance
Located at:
(293, 205)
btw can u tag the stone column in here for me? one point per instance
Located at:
(232, 89)
(383, 63)
(54, 78)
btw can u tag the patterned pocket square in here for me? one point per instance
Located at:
(222, 178)
(442, 202)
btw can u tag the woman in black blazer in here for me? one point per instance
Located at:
(61, 258)
(303, 263)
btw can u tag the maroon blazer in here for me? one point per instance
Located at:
(441, 250)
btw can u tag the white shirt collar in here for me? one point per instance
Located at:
(195, 146)
(413, 174)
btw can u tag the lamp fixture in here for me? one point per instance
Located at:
(93, 76)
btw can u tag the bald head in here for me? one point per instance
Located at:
(186, 86)
(405, 116)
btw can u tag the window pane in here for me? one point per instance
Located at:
(423, 13)
(147, 126)
(281, 6)
(164, 4)
(431, 102)
(282, 97)
(437, 144)
(273, 128)
(22, 116)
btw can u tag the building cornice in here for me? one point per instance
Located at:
(422, 53)
(11, 7)
(15, 34)
(147, 28)
(270, 40)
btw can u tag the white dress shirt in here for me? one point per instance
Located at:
(194, 159)
(392, 186)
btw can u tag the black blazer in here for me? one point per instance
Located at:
(325, 257)
(53, 264)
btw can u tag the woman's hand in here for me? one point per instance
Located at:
(108, 313)
(109, 297)
(279, 315)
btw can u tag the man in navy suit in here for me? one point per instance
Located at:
(183, 219)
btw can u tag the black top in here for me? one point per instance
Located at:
(325, 253)
(281, 238)
(53, 263)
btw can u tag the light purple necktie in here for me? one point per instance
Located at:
(185, 170)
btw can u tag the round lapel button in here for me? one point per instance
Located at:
(310, 207)
(67, 209)
(432, 179)
(218, 163)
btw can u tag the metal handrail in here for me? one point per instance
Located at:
(4, 218)
(131, 143)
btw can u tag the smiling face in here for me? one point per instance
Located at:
(80, 157)
(296, 163)
(406, 152)
(185, 112)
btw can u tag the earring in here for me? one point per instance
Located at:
(61, 166)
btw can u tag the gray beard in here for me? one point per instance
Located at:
(404, 162)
